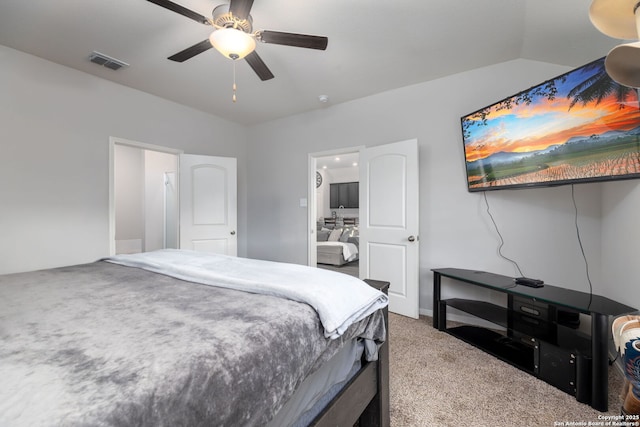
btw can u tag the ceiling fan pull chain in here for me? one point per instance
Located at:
(234, 81)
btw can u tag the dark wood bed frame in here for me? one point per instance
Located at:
(365, 398)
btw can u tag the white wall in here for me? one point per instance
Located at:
(129, 170)
(621, 241)
(129, 199)
(155, 166)
(455, 230)
(55, 125)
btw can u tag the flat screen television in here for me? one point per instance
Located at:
(578, 127)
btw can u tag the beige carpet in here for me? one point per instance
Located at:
(438, 380)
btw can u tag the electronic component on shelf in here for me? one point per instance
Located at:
(526, 281)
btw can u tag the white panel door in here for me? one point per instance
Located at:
(389, 222)
(208, 204)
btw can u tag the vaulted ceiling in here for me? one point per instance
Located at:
(374, 46)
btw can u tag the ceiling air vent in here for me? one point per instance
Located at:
(106, 61)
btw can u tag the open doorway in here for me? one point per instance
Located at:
(144, 211)
(388, 219)
(334, 211)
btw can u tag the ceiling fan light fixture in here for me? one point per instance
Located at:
(615, 18)
(620, 19)
(622, 64)
(232, 43)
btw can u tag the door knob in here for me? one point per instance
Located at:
(233, 233)
(412, 238)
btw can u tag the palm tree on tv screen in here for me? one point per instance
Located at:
(598, 87)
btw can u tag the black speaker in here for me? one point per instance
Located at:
(557, 366)
(583, 377)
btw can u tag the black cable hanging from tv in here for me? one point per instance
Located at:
(586, 263)
(499, 235)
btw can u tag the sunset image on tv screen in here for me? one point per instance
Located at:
(581, 126)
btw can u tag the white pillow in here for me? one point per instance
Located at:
(335, 235)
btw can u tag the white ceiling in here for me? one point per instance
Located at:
(338, 161)
(374, 46)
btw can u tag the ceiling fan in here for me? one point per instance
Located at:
(234, 37)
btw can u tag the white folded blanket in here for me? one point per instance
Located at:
(339, 299)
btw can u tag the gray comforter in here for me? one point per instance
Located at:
(105, 345)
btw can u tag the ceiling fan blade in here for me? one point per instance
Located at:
(181, 10)
(291, 39)
(259, 66)
(240, 8)
(192, 51)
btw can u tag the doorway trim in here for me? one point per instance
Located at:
(312, 206)
(113, 141)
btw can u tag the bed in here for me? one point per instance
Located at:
(337, 246)
(179, 338)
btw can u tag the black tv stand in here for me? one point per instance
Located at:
(537, 330)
